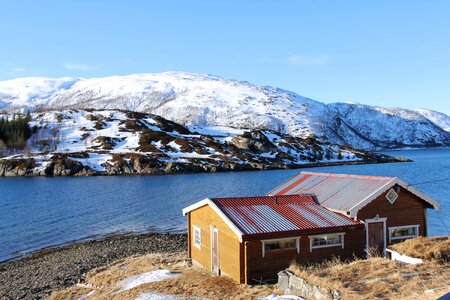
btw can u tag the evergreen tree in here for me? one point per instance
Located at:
(16, 131)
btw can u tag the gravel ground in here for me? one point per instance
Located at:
(37, 275)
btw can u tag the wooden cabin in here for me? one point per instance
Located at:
(251, 239)
(390, 209)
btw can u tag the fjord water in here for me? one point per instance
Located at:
(41, 212)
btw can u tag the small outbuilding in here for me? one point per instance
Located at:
(390, 209)
(250, 239)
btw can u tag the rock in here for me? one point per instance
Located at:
(294, 285)
(17, 167)
(146, 165)
(254, 141)
(61, 165)
(118, 166)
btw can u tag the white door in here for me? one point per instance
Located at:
(215, 250)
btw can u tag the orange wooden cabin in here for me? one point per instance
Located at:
(310, 218)
(252, 238)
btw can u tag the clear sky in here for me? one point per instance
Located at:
(389, 53)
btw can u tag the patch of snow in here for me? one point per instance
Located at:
(395, 256)
(152, 276)
(156, 296)
(281, 297)
(94, 161)
(222, 131)
(86, 295)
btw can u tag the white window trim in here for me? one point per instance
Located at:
(297, 244)
(194, 229)
(391, 229)
(311, 237)
(393, 192)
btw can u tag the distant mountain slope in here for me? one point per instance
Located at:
(111, 142)
(206, 100)
(438, 118)
(370, 127)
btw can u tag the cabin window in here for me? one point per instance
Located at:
(197, 236)
(280, 244)
(326, 240)
(403, 232)
(391, 196)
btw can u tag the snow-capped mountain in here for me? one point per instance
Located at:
(206, 100)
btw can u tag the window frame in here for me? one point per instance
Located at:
(392, 228)
(196, 229)
(297, 245)
(312, 237)
(393, 193)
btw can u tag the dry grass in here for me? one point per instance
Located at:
(191, 282)
(379, 278)
(422, 247)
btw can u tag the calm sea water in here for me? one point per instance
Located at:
(42, 212)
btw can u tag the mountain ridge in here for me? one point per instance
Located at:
(209, 100)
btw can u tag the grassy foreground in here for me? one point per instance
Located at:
(374, 278)
(381, 278)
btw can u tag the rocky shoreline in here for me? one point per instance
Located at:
(37, 275)
(64, 165)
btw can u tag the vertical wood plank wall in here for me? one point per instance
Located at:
(407, 209)
(267, 267)
(229, 245)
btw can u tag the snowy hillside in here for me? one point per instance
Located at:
(370, 127)
(80, 142)
(438, 118)
(206, 100)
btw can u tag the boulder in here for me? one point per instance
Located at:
(17, 167)
(254, 141)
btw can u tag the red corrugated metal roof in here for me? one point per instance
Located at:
(339, 192)
(277, 215)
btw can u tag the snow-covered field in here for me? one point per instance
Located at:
(96, 138)
(207, 100)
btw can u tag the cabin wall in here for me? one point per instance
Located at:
(267, 267)
(229, 245)
(407, 209)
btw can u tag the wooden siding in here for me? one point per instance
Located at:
(230, 262)
(407, 209)
(267, 267)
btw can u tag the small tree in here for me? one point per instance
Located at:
(328, 154)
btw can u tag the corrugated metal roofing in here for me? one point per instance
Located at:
(277, 214)
(339, 192)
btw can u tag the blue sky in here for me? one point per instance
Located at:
(390, 53)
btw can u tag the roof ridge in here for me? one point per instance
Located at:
(265, 196)
(360, 176)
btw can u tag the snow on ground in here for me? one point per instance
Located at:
(86, 295)
(101, 134)
(157, 296)
(94, 161)
(152, 276)
(282, 297)
(221, 131)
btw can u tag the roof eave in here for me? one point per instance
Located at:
(218, 211)
(355, 209)
(293, 233)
